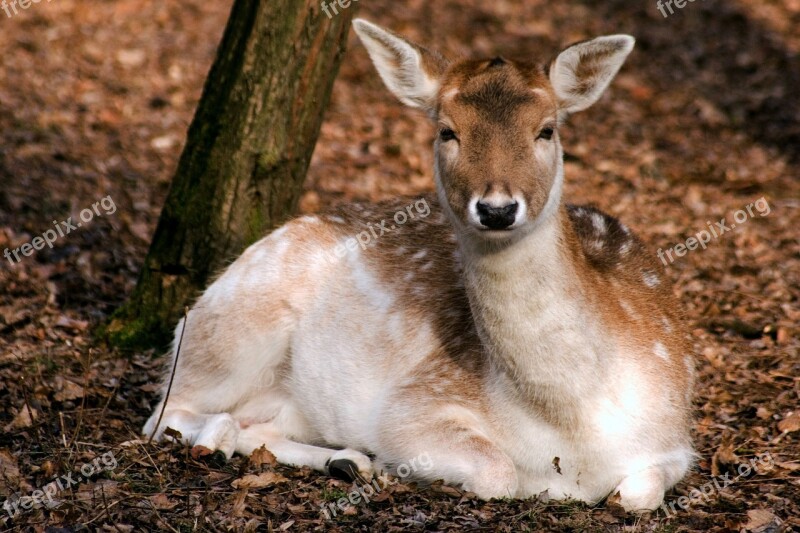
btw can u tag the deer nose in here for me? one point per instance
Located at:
(497, 218)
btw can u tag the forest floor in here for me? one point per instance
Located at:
(95, 101)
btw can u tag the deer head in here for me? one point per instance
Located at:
(499, 162)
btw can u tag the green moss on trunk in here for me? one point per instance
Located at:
(246, 156)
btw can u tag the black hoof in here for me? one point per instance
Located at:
(217, 459)
(343, 469)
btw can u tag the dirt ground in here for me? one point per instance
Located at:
(95, 99)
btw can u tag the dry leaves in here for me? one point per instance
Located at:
(258, 481)
(761, 521)
(724, 459)
(790, 423)
(162, 502)
(664, 153)
(23, 419)
(67, 390)
(262, 456)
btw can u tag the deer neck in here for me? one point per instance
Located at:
(529, 308)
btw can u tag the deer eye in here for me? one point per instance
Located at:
(546, 133)
(446, 134)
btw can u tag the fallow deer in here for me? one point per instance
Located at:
(523, 344)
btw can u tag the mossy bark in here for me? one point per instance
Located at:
(246, 156)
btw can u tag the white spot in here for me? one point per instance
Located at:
(667, 324)
(408, 277)
(599, 222)
(401, 250)
(450, 93)
(661, 351)
(625, 248)
(363, 279)
(688, 360)
(427, 266)
(629, 309)
(420, 255)
(309, 219)
(597, 245)
(337, 219)
(650, 278)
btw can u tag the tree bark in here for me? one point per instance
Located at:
(246, 156)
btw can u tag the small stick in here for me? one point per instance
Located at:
(172, 375)
(114, 392)
(24, 386)
(83, 398)
(63, 429)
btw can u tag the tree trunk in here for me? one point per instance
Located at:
(246, 156)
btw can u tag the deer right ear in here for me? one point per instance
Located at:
(410, 71)
(581, 73)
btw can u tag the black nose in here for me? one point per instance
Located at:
(497, 217)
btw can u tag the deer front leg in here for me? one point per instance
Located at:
(347, 464)
(455, 451)
(644, 490)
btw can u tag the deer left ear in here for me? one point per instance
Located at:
(581, 73)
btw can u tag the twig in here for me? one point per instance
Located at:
(114, 392)
(24, 387)
(83, 398)
(63, 429)
(172, 375)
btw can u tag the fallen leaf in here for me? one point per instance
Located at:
(265, 479)
(199, 451)
(92, 492)
(556, 465)
(262, 456)
(791, 467)
(134, 442)
(70, 323)
(724, 458)
(9, 473)
(67, 390)
(132, 57)
(447, 489)
(161, 502)
(118, 528)
(173, 433)
(759, 520)
(790, 423)
(24, 419)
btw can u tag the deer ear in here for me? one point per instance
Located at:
(409, 71)
(581, 72)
